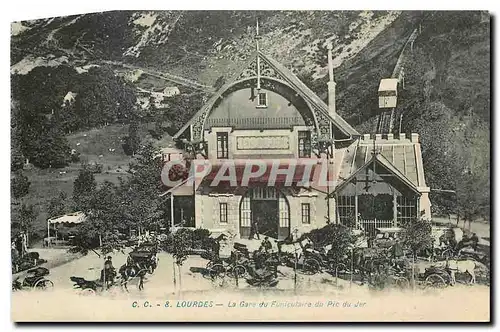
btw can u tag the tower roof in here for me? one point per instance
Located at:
(285, 75)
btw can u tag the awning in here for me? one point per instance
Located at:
(71, 218)
(299, 173)
(182, 189)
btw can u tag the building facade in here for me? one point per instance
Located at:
(266, 115)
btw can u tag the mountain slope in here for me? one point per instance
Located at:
(446, 96)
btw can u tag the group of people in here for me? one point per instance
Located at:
(19, 246)
(448, 240)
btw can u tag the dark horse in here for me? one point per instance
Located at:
(130, 271)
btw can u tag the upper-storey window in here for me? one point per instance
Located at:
(222, 146)
(304, 144)
(262, 99)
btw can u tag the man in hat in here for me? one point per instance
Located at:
(254, 229)
(474, 240)
(266, 245)
(108, 273)
(397, 254)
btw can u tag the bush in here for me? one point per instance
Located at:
(20, 185)
(416, 235)
(196, 239)
(338, 236)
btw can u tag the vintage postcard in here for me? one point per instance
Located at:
(242, 166)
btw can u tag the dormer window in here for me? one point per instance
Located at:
(262, 99)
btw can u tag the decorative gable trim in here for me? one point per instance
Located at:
(272, 69)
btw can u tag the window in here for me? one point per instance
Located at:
(407, 209)
(346, 208)
(262, 99)
(222, 146)
(304, 144)
(306, 213)
(223, 212)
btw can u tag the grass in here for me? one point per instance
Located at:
(93, 146)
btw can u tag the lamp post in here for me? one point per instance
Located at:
(352, 267)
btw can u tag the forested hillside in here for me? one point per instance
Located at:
(73, 102)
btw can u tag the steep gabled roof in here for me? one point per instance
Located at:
(379, 158)
(290, 79)
(300, 87)
(403, 153)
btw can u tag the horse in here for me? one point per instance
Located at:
(461, 266)
(130, 271)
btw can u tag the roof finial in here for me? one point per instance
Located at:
(257, 37)
(330, 62)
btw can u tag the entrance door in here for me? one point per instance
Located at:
(265, 213)
(269, 208)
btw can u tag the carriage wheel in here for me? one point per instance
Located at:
(217, 271)
(447, 254)
(87, 292)
(44, 284)
(311, 266)
(435, 281)
(239, 271)
(402, 283)
(209, 265)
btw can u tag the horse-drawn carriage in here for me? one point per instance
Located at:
(145, 257)
(257, 269)
(35, 280)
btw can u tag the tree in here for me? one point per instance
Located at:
(182, 107)
(340, 237)
(416, 235)
(141, 191)
(57, 205)
(24, 221)
(84, 187)
(133, 141)
(20, 185)
(103, 98)
(178, 244)
(16, 158)
(472, 196)
(51, 149)
(104, 211)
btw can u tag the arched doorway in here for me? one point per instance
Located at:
(269, 208)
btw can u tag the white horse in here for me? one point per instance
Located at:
(461, 266)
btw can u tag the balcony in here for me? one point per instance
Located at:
(255, 123)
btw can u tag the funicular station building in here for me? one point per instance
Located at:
(266, 115)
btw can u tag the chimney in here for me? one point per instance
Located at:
(331, 84)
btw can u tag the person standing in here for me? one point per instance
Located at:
(397, 254)
(254, 229)
(216, 249)
(19, 244)
(108, 273)
(475, 240)
(266, 245)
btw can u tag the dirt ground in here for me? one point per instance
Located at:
(64, 304)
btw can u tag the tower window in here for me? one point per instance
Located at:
(222, 146)
(223, 212)
(306, 213)
(262, 99)
(304, 144)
